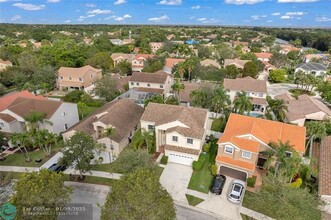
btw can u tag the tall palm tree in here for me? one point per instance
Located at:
(21, 139)
(315, 130)
(177, 87)
(44, 139)
(221, 100)
(242, 103)
(181, 69)
(109, 133)
(277, 107)
(33, 118)
(148, 138)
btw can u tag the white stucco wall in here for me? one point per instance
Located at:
(182, 141)
(67, 113)
(12, 127)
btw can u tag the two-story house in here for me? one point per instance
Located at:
(77, 78)
(316, 69)
(58, 116)
(158, 82)
(121, 57)
(242, 147)
(254, 88)
(155, 46)
(139, 61)
(238, 63)
(122, 115)
(179, 130)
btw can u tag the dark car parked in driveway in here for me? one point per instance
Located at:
(57, 168)
(218, 184)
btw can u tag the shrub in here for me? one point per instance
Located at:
(197, 165)
(164, 160)
(297, 183)
(251, 181)
(213, 170)
(73, 96)
(205, 148)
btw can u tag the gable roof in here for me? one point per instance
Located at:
(141, 56)
(6, 100)
(263, 55)
(210, 62)
(265, 130)
(171, 62)
(77, 72)
(194, 118)
(236, 62)
(122, 114)
(125, 56)
(324, 175)
(7, 118)
(312, 66)
(157, 77)
(246, 84)
(23, 106)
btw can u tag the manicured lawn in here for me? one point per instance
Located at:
(297, 92)
(192, 200)
(216, 125)
(246, 217)
(17, 159)
(107, 167)
(86, 112)
(93, 180)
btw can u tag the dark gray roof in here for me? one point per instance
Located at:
(312, 66)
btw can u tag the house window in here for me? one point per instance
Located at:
(65, 126)
(64, 114)
(228, 149)
(61, 77)
(80, 79)
(161, 86)
(137, 84)
(2, 125)
(91, 75)
(149, 85)
(70, 78)
(150, 127)
(189, 140)
(288, 154)
(132, 83)
(246, 154)
(174, 138)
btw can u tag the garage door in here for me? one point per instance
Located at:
(181, 159)
(233, 173)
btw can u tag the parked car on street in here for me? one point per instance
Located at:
(218, 184)
(57, 168)
(236, 191)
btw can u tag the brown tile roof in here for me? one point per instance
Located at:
(121, 81)
(123, 114)
(171, 62)
(128, 57)
(209, 62)
(141, 56)
(259, 101)
(7, 118)
(236, 62)
(77, 72)
(246, 84)
(194, 118)
(285, 96)
(324, 176)
(6, 100)
(23, 106)
(191, 86)
(157, 77)
(182, 149)
(237, 163)
(263, 55)
(265, 130)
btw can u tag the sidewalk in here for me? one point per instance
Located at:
(254, 214)
(200, 210)
(18, 169)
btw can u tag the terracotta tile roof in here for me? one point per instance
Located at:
(171, 62)
(159, 77)
(23, 106)
(194, 118)
(246, 84)
(122, 114)
(324, 175)
(151, 90)
(237, 163)
(6, 100)
(263, 55)
(236, 62)
(265, 130)
(77, 72)
(182, 149)
(140, 56)
(209, 62)
(245, 144)
(7, 118)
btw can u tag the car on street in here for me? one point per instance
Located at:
(57, 168)
(236, 192)
(218, 184)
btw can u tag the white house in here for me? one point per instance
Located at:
(180, 131)
(316, 69)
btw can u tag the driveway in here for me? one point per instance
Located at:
(52, 161)
(175, 179)
(279, 88)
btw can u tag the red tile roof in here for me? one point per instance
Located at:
(9, 99)
(263, 55)
(171, 62)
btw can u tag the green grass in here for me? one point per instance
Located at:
(164, 160)
(297, 92)
(86, 112)
(55, 96)
(245, 203)
(246, 217)
(192, 200)
(17, 159)
(93, 180)
(216, 125)
(107, 167)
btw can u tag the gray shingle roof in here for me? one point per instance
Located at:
(312, 66)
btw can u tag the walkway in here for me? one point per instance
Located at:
(18, 169)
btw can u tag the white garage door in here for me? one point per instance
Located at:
(181, 159)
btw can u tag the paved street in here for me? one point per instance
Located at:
(185, 213)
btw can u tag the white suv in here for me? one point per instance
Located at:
(237, 191)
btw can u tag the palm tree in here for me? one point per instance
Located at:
(242, 103)
(148, 138)
(82, 108)
(33, 118)
(221, 100)
(315, 130)
(21, 139)
(181, 69)
(277, 107)
(177, 87)
(109, 133)
(44, 139)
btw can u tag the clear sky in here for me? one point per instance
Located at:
(289, 13)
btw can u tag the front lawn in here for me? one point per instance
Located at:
(216, 125)
(92, 180)
(18, 159)
(192, 200)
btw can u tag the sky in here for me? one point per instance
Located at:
(289, 13)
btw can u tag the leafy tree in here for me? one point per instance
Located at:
(101, 60)
(278, 60)
(123, 68)
(138, 195)
(325, 89)
(73, 96)
(220, 100)
(203, 52)
(82, 108)
(79, 152)
(277, 75)
(2, 89)
(242, 103)
(177, 87)
(44, 78)
(40, 189)
(152, 65)
(106, 88)
(250, 69)
(276, 108)
(34, 118)
(232, 72)
(45, 140)
(155, 99)
(202, 97)
(315, 130)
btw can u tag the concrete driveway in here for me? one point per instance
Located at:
(279, 88)
(175, 179)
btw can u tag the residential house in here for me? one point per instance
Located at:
(212, 36)
(316, 69)
(286, 48)
(324, 174)
(263, 56)
(179, 131)
(117, 42)
(170, 63)
(324, 58)
(238, 63)
(77, 78)
(242, 147)
(122, 115)
(304, 108)
(158, 82)
(139, 61)
(155, 46)
(4, 64)
(59, 116)
(209, 62)
(254, 88)
(120, 57)
(128, 41)
(268, 67)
